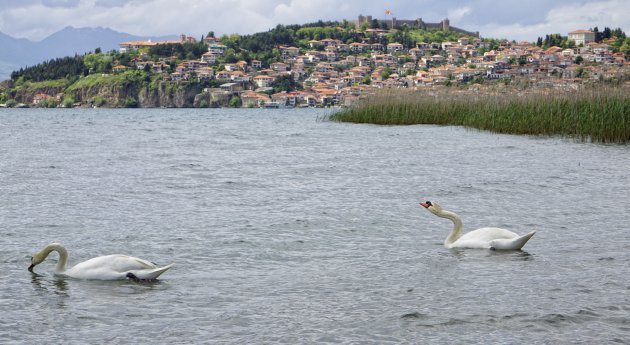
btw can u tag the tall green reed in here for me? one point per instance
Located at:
(597, 115)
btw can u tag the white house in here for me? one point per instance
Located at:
(395, 47)
(263, 80)
(582, 37)
(210, 57)
(216, 48)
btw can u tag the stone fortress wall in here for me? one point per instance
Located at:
(414, 23)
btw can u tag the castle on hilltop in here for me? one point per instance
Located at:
(394, 23)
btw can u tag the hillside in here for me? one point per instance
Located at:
(318, 64)
(16, 53)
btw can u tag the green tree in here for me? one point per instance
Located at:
(125, 60)
(285, 83)
(607, 33)
(581, 73)
(386, 73)
(598, 35)
(625, 49)
(231, 41)
(230, 56)
(131, 102)
(98, 63)
(68, 101)
(235, 102)
(618, 33)
(522, 60)
(53, 69)
(554, 40)
(98, 101)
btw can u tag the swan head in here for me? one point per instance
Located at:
(36, 259)
(432, 206)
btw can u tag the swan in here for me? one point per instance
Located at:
(484, 238)
(108, 267)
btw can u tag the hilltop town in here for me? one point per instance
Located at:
(322, 64)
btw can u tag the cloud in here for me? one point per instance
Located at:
(111, 3)
(611, 13)
(60, 3)
(513, 19)
(456, 15)
(565, 18)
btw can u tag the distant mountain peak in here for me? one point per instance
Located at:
(65, 42)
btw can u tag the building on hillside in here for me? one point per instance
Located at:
(186, 39)
(582, 37)
(126, 47)
(263, 81)
(210, 57)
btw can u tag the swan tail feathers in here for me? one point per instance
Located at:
(143, 275)
(511, 244)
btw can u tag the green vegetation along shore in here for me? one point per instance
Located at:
(596, 115)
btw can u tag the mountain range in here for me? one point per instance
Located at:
(20, 52)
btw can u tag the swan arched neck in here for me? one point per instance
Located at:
(63, 256)
(457, 226)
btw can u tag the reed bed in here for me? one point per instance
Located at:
(597, 115)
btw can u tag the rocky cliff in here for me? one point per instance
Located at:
(169, 95)
(128, 90)
(162, 94)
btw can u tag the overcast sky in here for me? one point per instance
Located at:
(512, 19)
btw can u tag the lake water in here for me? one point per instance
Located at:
(287, 229)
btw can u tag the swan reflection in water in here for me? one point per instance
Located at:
(58, 285)
(54, 290)
(61, 287)
(511, 255)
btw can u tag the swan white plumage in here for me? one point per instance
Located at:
(108, 267)
(483, 238)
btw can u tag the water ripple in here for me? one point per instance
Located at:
(288, 229)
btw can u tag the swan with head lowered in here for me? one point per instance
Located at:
(484, 238)
(108, 267)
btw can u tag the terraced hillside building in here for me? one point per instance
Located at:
(395, 23)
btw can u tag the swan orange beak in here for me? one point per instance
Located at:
(424, 204)
(30, 268)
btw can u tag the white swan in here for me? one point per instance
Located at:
(108, 267)
(484, 238)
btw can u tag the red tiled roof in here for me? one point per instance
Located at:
(581, 31)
